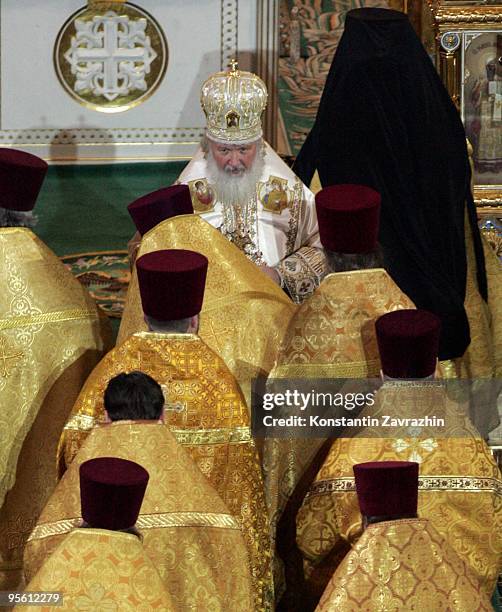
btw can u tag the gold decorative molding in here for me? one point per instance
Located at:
(94, 3)
(229, 34)
(489, 199)
(472, 17)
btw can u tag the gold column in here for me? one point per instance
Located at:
(449, 64)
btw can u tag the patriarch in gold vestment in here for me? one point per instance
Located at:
(460, 488)
(332, 333)
(51, 336)
(187, 530)
(204, 400)
(400, 562)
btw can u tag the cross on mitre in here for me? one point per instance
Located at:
(233, 66)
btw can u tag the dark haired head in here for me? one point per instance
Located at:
(135, 396)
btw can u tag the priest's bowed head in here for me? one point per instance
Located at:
(21, 179)
(111, 493)
(349, 219)
(152, 208)
(387, 490)
(171, 284)
(408, 343)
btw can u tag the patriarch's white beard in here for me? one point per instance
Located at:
(232, 189)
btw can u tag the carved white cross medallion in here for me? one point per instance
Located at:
(111, 59)
(110, 55)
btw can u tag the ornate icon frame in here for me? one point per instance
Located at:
(455, 24)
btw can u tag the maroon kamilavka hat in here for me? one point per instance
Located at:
(21, 177)
(149, 210)
(387, 488)
(408, 342)
(111, 492)
(348, 217)
(172, 283)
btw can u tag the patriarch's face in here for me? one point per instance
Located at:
(234, 159)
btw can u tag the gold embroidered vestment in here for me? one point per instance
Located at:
(94, 569)
(244, 313)
(188, 531)
(402, 565)
(51, 336)
(460, 489)
(206, 411)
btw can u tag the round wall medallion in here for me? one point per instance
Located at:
(111, 57)
(450, 41)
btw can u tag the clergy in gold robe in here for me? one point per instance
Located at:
(332, 333)
(460, 488)
(51, 336)
(244, 313)
(482, 361)
(242, 187)
(104, 566)
(187, 531)
(204, 400)
(149, 210)
(400, 562)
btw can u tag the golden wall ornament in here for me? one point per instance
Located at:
(110, 56)
(469, 59)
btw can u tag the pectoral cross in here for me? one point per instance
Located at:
(241, 239)
(233, 66)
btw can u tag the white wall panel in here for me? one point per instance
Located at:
(38, 115)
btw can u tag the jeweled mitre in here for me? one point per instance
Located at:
(233, 102)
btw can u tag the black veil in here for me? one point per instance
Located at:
(385, 120)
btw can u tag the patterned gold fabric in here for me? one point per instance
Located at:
(482, 360)
(205, 403)
(51, 336)
(244, 312)
(331, 335)
(402, 565)
(460, 488)
(188, 531)
(102, 570)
